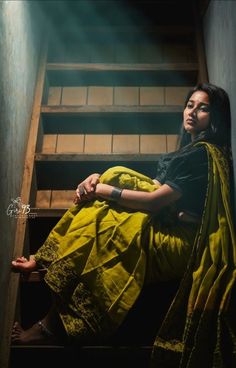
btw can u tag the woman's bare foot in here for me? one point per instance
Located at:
(25, 265)
(37, 334)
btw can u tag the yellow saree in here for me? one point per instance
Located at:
(200, 326)
(100, 255)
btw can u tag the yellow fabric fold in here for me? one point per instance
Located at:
(205, 329)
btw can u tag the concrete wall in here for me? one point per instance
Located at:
(220, 45)
(19, 51)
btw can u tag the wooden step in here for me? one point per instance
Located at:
(85, 109)
(35, 276)
(116, 67)
(63, 157)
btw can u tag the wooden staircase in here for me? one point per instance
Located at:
(107, 94)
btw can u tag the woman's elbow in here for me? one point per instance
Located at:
(152, 206)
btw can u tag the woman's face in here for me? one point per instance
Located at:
(197, 113)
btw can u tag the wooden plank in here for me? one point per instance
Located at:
(110, 109)
(43, 199)
(177, 66)
(98, 143)
(40, 136)
(62, 198)
(100, 96)
(126, 96)
(151, 96)
(35, 276)
(74, 96)
(125, 144)
(70, 143)
(153, 143)
(49, 143)
(54, 96)
(22, 221)
(172, 140)
(176, 95)
(94, 157)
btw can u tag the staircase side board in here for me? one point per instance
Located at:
(21, 223)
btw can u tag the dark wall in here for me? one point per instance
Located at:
(220, 45)
(19, 50)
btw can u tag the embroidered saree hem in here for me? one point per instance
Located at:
(199, 329)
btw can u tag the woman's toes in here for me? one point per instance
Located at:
(21, 259)
(24, 265)
(16, 332)
(17, 327)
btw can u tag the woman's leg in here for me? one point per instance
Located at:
(126, 178)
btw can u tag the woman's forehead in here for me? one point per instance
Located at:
(199, 96)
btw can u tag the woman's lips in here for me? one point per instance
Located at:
(190, 121)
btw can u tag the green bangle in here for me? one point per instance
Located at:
(115, 194)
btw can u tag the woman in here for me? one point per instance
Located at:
(127, 230)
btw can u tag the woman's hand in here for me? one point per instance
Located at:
(86, 190)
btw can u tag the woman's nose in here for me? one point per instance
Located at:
(193, 112)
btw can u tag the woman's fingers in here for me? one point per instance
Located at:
(89, 186)
(86, 189)
(82, 195)
(91, 182)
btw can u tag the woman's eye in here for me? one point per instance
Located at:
(189, 106)
(204, 109)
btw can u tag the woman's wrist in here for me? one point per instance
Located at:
(108, 192)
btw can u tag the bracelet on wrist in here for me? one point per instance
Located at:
(115, 194)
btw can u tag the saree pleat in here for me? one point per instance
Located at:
(100, 255)
(204, 335)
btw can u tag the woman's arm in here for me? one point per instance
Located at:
(143, 201)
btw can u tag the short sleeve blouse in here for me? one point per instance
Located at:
(187, 173)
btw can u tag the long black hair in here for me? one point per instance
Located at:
(219, 129)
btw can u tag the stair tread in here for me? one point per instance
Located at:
(95, 157)
(63, 109)
(34, 276)
(121, 66)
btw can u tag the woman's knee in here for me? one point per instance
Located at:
(112, 174)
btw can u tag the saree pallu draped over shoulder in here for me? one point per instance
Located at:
(199, 329)
(100, 255)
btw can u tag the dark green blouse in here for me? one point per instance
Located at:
(186, 172)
